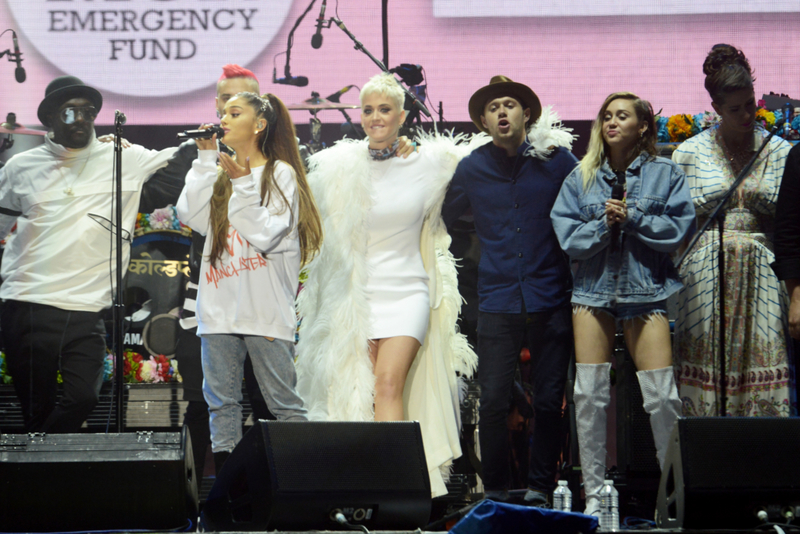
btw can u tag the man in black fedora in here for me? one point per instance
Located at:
(58, 265)
(524, 279)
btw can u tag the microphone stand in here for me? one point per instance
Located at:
(287, 73)
(360, 47)
(385, 30)
(715, 215)
(119, 306)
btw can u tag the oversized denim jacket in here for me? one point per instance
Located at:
(660, 214)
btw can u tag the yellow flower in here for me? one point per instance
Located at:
(679, 128)
(767, 118)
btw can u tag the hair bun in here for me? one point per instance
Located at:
(723, 55)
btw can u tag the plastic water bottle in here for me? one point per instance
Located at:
(562, 497)
(609, 507)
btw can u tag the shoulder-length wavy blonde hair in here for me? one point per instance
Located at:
(598, 149)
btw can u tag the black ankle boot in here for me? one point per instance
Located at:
(219, 460)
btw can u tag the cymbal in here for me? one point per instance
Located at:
(20, 130)
(319, 104)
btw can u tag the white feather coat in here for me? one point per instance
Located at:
(335, 376)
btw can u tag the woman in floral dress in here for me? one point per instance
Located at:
(756, 348)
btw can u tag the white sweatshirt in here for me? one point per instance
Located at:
(60, 255)
(246, 293)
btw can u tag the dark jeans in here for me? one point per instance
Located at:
(40, 340)
(500, 339)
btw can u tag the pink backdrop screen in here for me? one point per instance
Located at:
(571, 53)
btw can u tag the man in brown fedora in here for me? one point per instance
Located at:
(524, 279)
(58, 264)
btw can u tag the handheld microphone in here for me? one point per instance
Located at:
(119, 118)
(297, 81)
(335, 96)
(202, 134)
(19, 72)
(316, 39)
(617, 193)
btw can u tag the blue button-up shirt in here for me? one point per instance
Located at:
(522, 267)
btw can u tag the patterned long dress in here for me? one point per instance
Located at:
(756, 303)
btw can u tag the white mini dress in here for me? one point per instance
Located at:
(397, 287)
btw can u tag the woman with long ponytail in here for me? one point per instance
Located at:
(262, 222)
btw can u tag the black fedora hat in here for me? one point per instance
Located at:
(65, 88)
(500, 86)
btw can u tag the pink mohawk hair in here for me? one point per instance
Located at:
(232, 70)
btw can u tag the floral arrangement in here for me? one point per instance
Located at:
(108, 366)
(661, 128)
(138, 369)
(161, 219)
(154, 370)
(678, 128)
(5, 378)
(767, 118)
(704, 121)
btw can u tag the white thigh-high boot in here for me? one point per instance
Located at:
(662, 402)
(592, 395)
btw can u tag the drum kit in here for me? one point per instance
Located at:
(9, 129)
(314, 105)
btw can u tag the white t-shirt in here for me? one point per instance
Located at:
(60, 255)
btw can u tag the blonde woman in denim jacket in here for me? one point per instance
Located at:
(620, 214)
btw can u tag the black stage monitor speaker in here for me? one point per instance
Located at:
(288, 475)
(720, 472)
(82, 482)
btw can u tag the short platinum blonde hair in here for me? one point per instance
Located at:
(384, 84)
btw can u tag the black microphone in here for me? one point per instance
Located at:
(19, 72)
(298, 81)
(335, 96)
(202, 134)
(617, 193)
(119, 118)
(316, 39)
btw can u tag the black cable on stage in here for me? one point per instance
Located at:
(458, 513)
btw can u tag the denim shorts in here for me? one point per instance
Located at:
(629, 311)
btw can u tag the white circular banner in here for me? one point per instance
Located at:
(148, 47)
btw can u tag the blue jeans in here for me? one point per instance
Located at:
(628, 312)
(500, 339)
(223, 370)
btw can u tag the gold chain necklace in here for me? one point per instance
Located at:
(737, 157)
(68, 190)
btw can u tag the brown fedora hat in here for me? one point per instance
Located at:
(62, 89)
(500, 86)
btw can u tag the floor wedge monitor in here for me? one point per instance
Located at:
(725, 472)
(101, 482)
(299, 475)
